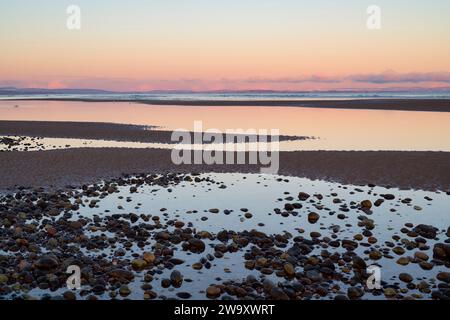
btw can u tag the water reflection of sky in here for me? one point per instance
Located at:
(260, 195)
(336, 129)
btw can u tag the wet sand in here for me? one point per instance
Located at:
(433, 105)
(94, 130)
(59, 168)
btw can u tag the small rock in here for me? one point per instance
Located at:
(403, 261)
(149, 257)
(124, 290)
(405, 277)
(138, 264)
(196, 245)
(184, 295)
(366, 204)
(375, 255)
(46, 263)
(426, 231)
(421, 256)
(355, 293)
(443, 276)
(69, 295)
(359, 263)
(378, 202)
(197, 266)
(248, 215)
(213, 292)
(277, 293)
(398, 250)
(313, 217)
(121, 275)
(390, 292)
(303, 196)
(289, 269)
(388, 196)
(176, 278)
(426, 265)
(3, 279)
(358, 237)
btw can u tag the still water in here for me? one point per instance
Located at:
(260, 194)
(334, 129)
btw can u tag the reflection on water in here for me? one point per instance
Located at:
(190, 202)
(337, 129)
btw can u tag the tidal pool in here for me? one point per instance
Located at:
(231, 196)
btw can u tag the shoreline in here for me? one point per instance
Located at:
(97, 131)
(55, 169)
(422, 105)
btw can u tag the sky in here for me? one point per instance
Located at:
(201, 45)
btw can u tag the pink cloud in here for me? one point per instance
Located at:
(383, 80)
(55, 84)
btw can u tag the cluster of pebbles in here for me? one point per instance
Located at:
(21, 143)
(42, 234)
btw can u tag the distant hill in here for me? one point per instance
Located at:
(26, 91)
(11, 91)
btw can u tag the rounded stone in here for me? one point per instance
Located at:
(213, 292)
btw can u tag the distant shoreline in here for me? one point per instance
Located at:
(424, 105)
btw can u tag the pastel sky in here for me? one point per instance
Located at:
(224, 45)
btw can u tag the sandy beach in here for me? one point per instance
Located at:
(58, 168)
(95, 130)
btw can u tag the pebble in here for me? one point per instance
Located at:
(388, 196)
(378, 202)
(426, 265)
(184, 295)
(403, 261)
(303, 196)
(405, 277)
(124, 290)
(359, 263)
(69, 295)
(358, 237)
(390, 292)
(197, 266)
(176, 278)
(3, 279)
(138, 264)
(366, 204)
(46, 263)
(426, 231)
(443, 276)
(149, 257)
(196, 245)
(375, 255)
(421, 256)
(355, 293)
(398, 250)
(313, 217)
(213, 292)
(277, 293)
(289, 269)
